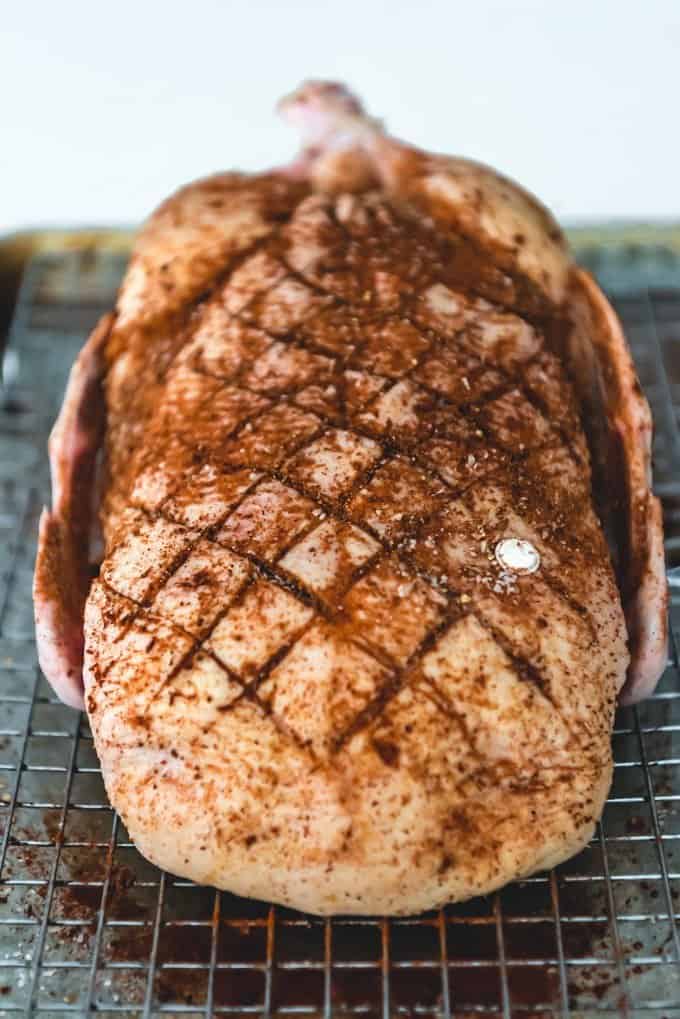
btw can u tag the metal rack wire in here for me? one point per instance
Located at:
(87, 926)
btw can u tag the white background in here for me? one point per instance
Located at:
(107, 106)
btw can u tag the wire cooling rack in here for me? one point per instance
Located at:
(88, 927)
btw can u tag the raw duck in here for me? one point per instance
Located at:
(356, 640)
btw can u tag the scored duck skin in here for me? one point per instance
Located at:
(356, 640)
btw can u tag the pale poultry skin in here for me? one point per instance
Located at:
(332, 393)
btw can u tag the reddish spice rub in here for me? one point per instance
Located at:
(331, 391)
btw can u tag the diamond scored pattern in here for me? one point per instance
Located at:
(222, 345)
(465, 957)
(201, 588)
(246, 590)
(323, 684)
(145, 554)
(203, 499)
(268, 520)
(393, 610)
(245, 648)
(395, 498)
(325, 560)
(267, 440)
(329, 465)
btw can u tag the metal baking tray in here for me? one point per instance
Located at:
(87, 927)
